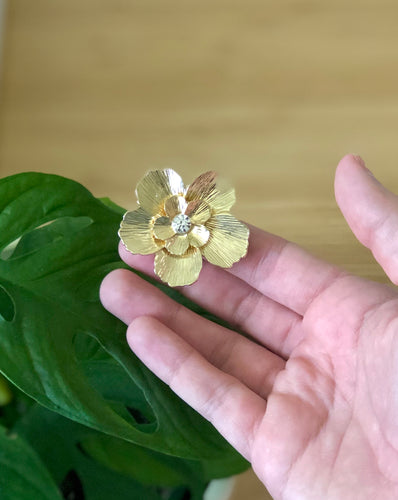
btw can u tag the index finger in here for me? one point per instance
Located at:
(278, 269)
(284, 272)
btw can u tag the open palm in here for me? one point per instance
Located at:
(310, 397)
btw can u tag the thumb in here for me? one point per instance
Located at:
(370, 210)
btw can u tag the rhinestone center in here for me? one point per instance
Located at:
(181, 224)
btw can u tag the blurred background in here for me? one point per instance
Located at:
(270, 94)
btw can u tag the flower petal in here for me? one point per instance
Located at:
(178, 270)
(136, 232)
(228, 240)
(175, 205)
(156, 186)
(198, 211)
(162, 228)
(178, 244)
(198, 236)
(214, 191)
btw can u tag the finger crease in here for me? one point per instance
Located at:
(244, 308)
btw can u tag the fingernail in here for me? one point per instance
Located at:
(360, 160)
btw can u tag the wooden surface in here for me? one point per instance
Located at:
(268, 93)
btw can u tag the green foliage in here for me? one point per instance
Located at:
(104, 467)
(61, 348)
(22, 475)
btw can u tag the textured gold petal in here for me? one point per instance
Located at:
(198, 236)
(228, 240)
(198, 211)
(162, 228)
(178, 270)
(175, 205)
(178, 244)
(156, 186)
(136, 232)
(213, 190)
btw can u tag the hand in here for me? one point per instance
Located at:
(313, 402)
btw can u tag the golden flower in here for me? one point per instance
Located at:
(181, 224)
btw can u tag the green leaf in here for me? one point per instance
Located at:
(147, 466)
(22, 474)
(59, 345)
(104, 467)
(110, 204)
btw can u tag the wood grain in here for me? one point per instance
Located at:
(268, 93)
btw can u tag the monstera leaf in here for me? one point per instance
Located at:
(22, 474)
(57, 343)
(85, 463)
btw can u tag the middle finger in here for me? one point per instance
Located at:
(127, 296)
(232, 299)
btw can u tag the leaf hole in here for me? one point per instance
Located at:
(138, 416)
(111, 379)
(43, 235)
(186, 494)
(7, 306)
(71, 487)
(181, 493)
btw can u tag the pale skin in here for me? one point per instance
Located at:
(313, 402)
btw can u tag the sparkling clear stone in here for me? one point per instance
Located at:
(181, 224)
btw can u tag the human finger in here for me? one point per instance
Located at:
(226, 402)
(282, 271)
(128, 296)
(370, 210)
(233, 300)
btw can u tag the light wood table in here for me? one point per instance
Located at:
(268, 93)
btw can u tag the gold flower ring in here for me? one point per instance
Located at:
(183, 224)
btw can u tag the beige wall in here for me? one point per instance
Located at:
(269, 93)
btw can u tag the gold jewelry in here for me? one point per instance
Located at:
(181, 224)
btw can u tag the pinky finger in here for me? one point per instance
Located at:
(229, 405)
